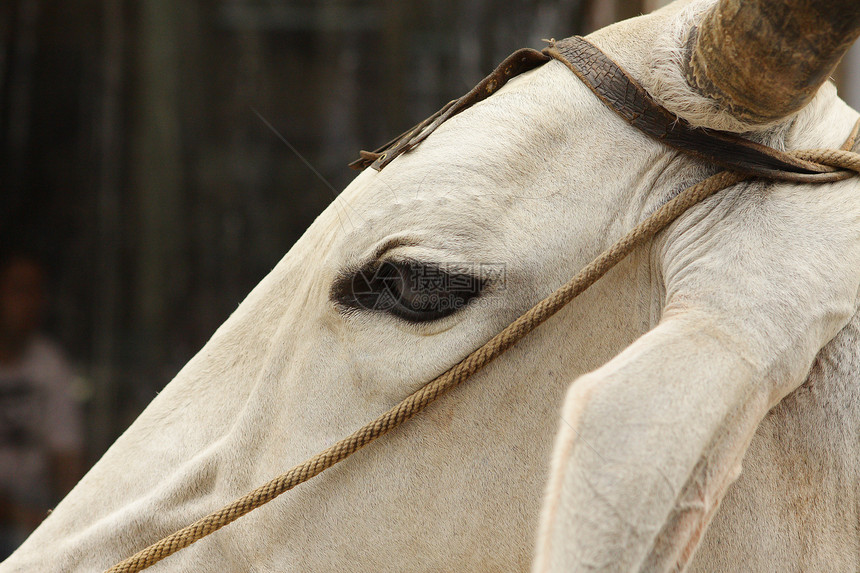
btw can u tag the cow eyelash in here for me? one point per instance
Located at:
(411, 290)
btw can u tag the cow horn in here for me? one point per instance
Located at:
(763, 60)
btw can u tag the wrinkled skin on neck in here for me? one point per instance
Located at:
(744, 381)
(539, 178)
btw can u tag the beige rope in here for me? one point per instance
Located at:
(463, 370)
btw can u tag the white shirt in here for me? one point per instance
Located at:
(39, 416)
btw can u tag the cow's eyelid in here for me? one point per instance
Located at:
(415, 291)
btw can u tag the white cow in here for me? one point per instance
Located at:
(732, 333)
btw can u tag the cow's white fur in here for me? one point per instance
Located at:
(692, 349)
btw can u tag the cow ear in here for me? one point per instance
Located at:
(647, 447)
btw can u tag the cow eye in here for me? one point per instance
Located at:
(411, 290)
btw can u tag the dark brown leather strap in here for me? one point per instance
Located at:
(514, 65)
(623, 95)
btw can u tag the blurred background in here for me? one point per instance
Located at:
(141, 173)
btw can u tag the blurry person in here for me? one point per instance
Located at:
(41, 437)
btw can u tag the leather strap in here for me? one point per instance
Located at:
(623, 95)
(515, 64)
